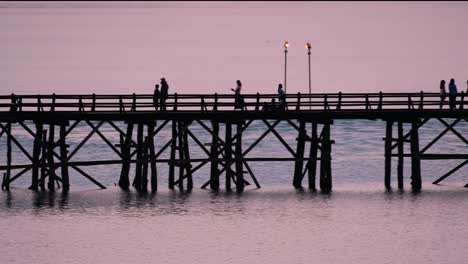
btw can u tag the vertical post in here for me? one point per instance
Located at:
(188, 165)
(325, 160)
(180, 145)
(36, 156)
(152, 157)
(400, 155)
(63, 159)
(139, 160)
(8, 171)
(312, 165)
(124, 181)
(144, 174)
(415, 158)
(286, 45)
(239, 164)
(50, 157)
(310, 89)
(297, 180)
(228, 156)
(173, 150)
(388, 154)
(214, 175)
(43, 159)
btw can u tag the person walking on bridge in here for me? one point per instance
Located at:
(164, 93)
(237, 95)
(443, 93)
(281, 97)
(452, 94)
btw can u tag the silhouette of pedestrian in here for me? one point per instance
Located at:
(452, 94)
(156, 96)
(164, 93)
(237, 95)
(273, 105)
(443, 93)
(282, 97)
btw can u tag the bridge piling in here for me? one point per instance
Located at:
(228, 156)
(312, 164)
(401, 142)
(415, 158)
(325, 160)
(239, 164)
(388, 154)
(299, 159)
(124, 181)
(214, 173)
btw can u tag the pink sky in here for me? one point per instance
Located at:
(204, 47)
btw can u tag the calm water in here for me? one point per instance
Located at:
(126, 47)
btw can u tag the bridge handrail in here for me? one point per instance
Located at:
(209, 102)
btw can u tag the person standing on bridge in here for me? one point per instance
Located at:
(281, 97)
(237, 97)
(443, 93)
(156, 96)
(452, 94)
(164, 93)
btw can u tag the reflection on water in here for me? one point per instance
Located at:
(356, 224)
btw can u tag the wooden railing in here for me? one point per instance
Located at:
(226, 102)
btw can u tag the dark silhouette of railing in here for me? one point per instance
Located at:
(226, 102)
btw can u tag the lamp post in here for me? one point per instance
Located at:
(308, 46)
(286, 45)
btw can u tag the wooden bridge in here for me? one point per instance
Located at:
(310, 115)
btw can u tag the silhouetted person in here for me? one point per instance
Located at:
(237, 93)
(13, 103)
(452, 94)
(156, 97)
(281, 97)
(164, 93)
(273, 104)
(443, 93)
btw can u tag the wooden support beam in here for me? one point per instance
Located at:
(440, 135)
(407, 135)
(77, 148)
(87, 176)
(173, 150)
(63, 159)
(36, 156)
(280, 138)
(415, 158)
(50, 158)
(214, 175)
(249, 170)
(388, 154)
(124, 181)
(43, 160)
(228, 156)
(297, 180)
(260, 138)
(239, 165)
(6, 182)
(145, 159)
(453, 130)
(451, 172)
(152, 158)
(137, 182)
(180, 144)
(400, 156)
(325, 161)
(312, 164)
(187, 163)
